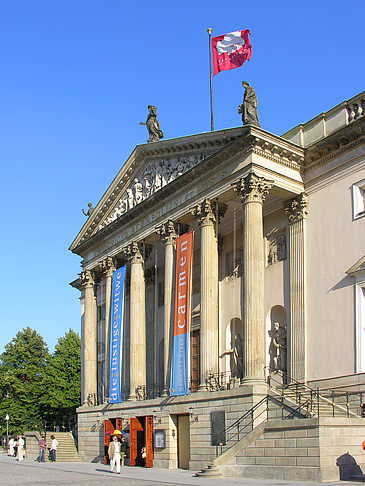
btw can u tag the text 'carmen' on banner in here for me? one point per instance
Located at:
(180, 366)
(116, 337)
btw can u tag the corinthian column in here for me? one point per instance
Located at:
(296, 210)
(89, 350)
(137, 320)
(108, 268)
(253, 190)
(207, 213)
(168, 235)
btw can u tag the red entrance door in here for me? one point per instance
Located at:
(135, 426)
(149, 441)
(141, 435)
(108, 429)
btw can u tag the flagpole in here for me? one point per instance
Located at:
(211, 80)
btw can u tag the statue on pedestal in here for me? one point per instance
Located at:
(248, 108)
(278, 348)
(89, 211)
(236, 354)
(153, 126)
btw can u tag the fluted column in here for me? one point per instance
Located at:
(168, 235)
(108, 268)
(137, 319)
(296, 210)
(253, 190)
(90, 386)
(207, 213)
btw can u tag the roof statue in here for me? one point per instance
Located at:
(89, 211)
(249, 106)
(153, 125)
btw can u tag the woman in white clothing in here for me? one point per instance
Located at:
(53, 448)
(20, 444)
(114, 454)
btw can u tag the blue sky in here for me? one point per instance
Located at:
(76, 79)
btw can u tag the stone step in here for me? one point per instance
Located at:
(211, 471)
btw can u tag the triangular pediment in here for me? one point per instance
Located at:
(357, 268)
(150, 168)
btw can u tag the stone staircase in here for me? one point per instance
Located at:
(66, 449)
(212, 471)
(297, 401)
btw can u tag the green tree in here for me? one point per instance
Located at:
(63, 380)
(22, 371)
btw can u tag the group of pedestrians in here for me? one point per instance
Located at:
(42, 449)
(16, 447)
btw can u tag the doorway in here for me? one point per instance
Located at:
(141, 435)
(109, 427)
(183, 441)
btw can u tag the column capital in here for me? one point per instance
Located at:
(296, 208)
(207, 212)
(167, 232)
(252, 188)
(108, 266)
(87, 278)
(137, 252)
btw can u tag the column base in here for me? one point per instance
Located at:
(253, 380)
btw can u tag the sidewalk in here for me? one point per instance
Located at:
(28, 472)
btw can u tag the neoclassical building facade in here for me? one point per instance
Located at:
(278, 282)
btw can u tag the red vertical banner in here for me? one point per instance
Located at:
(181, 342)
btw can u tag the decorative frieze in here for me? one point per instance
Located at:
(156, 175)
(252, 188)
(296, 208)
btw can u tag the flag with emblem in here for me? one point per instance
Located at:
(231, 50)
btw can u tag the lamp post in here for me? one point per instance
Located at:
(7, 428)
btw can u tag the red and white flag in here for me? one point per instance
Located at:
(231, 50)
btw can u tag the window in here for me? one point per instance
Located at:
(358, 199)
(101, 312)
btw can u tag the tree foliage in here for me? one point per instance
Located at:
(38, 388)
(63, 378)
(22, 371)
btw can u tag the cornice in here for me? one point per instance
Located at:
(343, 140)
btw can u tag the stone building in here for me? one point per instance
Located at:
(278, 299)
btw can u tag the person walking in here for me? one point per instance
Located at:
(54, 445)
(42, 449)
(114, 450)
(20, 444)
(11, 447)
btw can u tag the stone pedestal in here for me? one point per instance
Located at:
(89, 340)
(296, 210)
(253, 190)
(137, 320)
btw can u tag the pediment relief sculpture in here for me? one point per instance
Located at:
(156, 175)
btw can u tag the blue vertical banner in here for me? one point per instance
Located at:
(116, 335)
